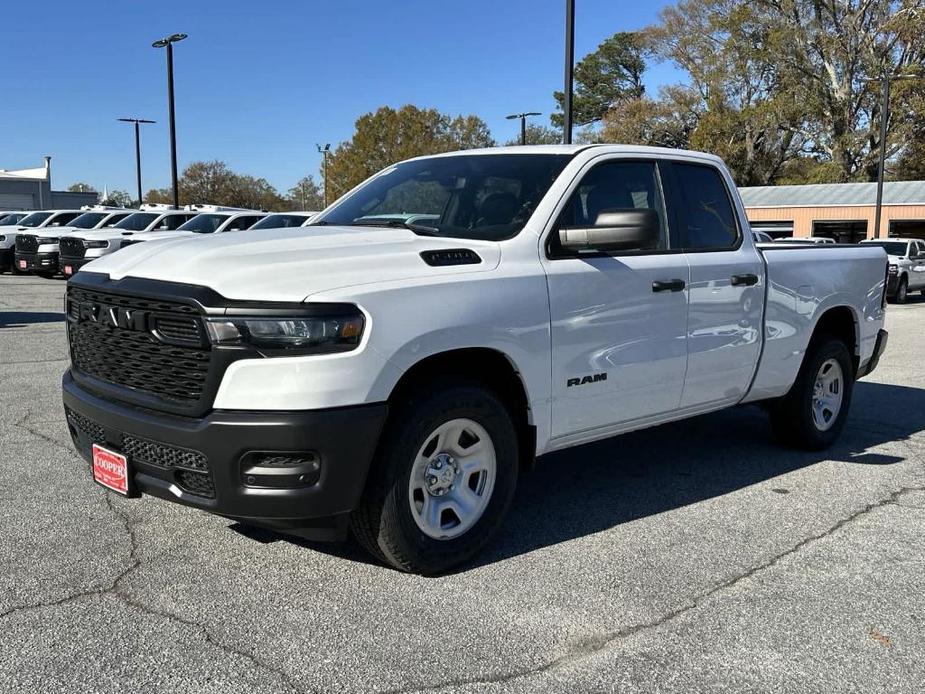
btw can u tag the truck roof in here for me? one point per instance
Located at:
(575, 149)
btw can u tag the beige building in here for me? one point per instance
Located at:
(842, 211)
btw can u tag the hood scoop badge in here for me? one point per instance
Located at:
(451, 256)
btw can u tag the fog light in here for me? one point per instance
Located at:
(277, 470)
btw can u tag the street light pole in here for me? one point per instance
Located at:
(523, 123)
(137, 122)
(325, 150)
(884, 123)
(569, 70)
(168, 44)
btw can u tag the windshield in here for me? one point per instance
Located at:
(203, 223)
(891, 247)
(138, 221)
(280, 221)
(88, 220)
(475, 196)
(8, 219)
(34, 219)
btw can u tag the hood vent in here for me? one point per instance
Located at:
(451, 256)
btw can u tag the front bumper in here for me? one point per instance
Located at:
(879, 347)
(71, 266)
(37, 262)
(222, 446)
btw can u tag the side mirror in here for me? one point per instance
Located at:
(615, 230)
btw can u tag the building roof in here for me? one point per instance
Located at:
(36, 174)
(834, 194)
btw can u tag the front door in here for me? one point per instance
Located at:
(619, 345)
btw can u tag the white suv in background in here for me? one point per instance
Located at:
(30, 235)
(212, 219)
(80, 248)
(9, 219)
(907, 266)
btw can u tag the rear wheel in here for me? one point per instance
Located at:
(813, 413)
(442, 480)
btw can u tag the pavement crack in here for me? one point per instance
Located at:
(592, 645)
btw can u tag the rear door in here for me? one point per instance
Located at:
(618, 344)
(726, 286)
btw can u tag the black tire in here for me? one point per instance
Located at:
(383, 523)
(792, 415)
(902, 291)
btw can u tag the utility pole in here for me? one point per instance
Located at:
(168, 44)
(569, 70)
(523, 123)
(137, 122)
(325, 150)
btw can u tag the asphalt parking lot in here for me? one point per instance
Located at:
(697, 556)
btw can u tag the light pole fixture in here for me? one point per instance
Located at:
(168, 44)
(137, 122)
(884, 129)
(523, 123)
(569, 71)
(325, 150)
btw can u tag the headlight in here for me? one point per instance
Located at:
(317, 334)
(96, 244)
(893, 269)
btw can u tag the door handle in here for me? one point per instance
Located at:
(668, 285)
(746, 280)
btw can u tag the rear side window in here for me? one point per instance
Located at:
(704, 208)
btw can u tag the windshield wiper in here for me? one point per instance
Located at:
(419, 229)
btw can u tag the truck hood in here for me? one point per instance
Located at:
(291, 264)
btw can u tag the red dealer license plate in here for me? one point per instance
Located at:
(22, 264)
(110, 469)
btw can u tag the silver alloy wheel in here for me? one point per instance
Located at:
(828, 392)
(452, 479)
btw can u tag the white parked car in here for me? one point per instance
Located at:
(395, 377)
(907, 266)
(30, 236)
(211, 219)
(78, 249)
(9, 220)
(43, 243)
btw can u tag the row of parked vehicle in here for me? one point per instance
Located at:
(60, 242)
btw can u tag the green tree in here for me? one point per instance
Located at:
(389, 135)
(213, 183)
(539, 135)
(306, 195)
(604, 78)
(81, 188)
(667, 121)
(117, 198)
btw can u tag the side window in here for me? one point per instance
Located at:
(242, 223)
(705, 210)
(62, 219)
(172, 221)
(615, 185)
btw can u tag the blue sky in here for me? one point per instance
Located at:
(258, 84)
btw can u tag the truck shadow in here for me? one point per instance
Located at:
(590, 488)
(19, 319)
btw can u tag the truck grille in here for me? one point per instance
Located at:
(72, 248)
(27, 243)
(155, 347)
(190, 468)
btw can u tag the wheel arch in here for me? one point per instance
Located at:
(841, 322)
(490, 367)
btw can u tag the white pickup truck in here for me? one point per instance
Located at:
(393, 377)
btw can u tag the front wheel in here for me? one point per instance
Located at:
(442, 480)
(902, 291)
(813, 413)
